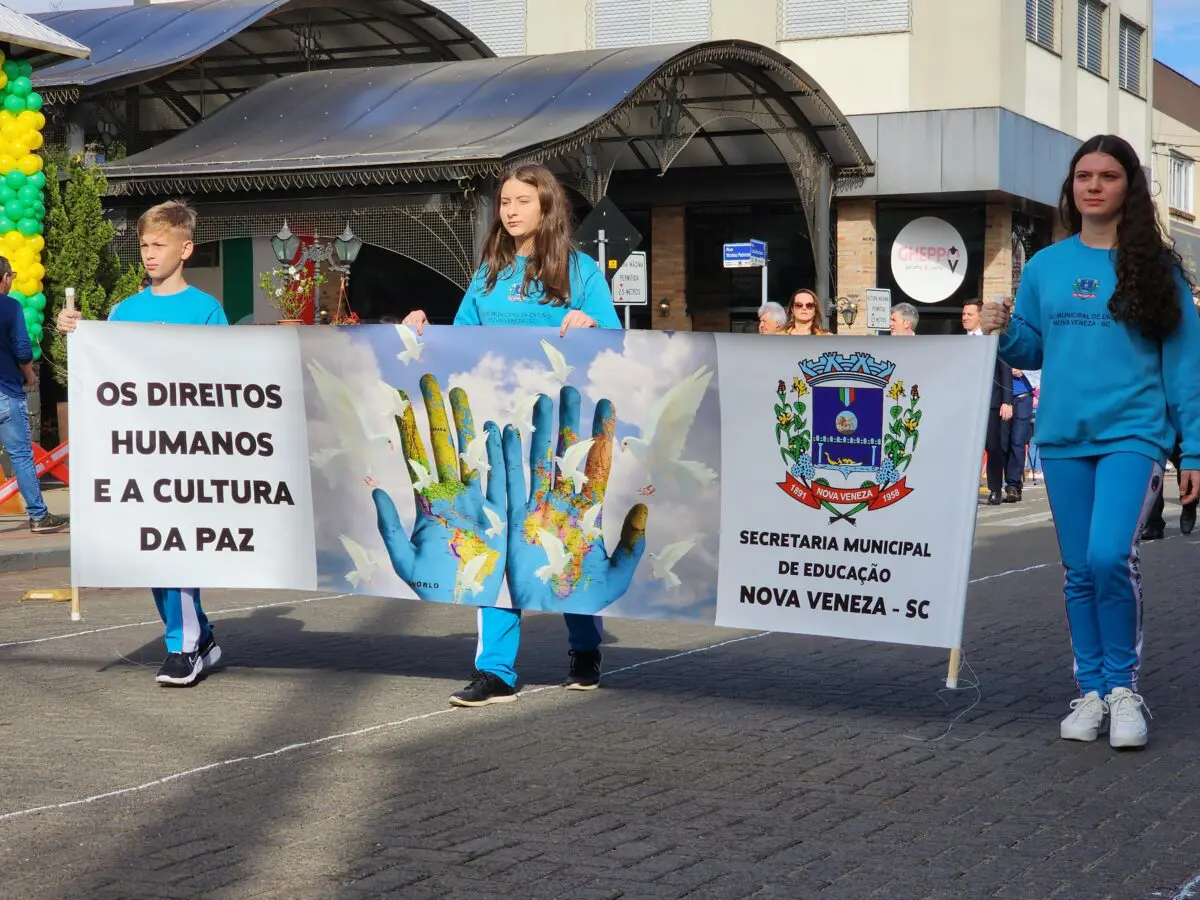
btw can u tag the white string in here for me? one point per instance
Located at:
(968, 684)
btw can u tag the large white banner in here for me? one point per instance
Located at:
(813, 485)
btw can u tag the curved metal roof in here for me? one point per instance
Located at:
(249, 40)
(25, 34)
(450, 120)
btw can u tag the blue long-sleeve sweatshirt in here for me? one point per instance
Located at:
(1106, 387)
(15, 349)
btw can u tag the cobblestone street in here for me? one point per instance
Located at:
(324, 762)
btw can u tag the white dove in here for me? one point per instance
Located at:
(497, 523)
(557, 362)
(322, 458)
(556, 556)
(522, 414)
(422, 478)
(665, 433)
(590, 530)
(412, 346)
(349, 419)
(467, 578)
(569, 464)
(663, 563)
(364, 561)
(476, 455)
(397, 405)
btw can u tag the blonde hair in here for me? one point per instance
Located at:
(174, 215)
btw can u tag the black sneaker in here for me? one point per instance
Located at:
(585, 670)
(483, 689)
(1012, 495)
(1153, 533)
(994, 498)
(48, 524)
(1187, 519)
(185, 669)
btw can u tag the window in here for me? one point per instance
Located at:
(835, 18)
(1091, 35)
(499, 23)
(632, 23)
(1039, 22)
(1129, 56)
(1182, 183)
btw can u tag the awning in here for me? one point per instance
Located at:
(23, 32)
(225, 47)
(451, 120)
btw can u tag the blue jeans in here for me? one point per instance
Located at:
(14, 434)
(1100, 505)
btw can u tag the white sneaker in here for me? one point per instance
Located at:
(1128, 725)
(1086, 720)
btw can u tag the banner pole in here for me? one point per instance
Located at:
(76, 615)
(955, 664)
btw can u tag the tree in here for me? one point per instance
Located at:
(77, 250)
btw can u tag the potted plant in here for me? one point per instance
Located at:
(290, 291)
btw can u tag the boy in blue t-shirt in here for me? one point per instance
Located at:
(165, 235)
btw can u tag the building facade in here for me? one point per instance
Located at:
(970, 111)
(1176, 145)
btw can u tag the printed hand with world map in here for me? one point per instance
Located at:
(549, 540)
(557, 560)
(457, 549)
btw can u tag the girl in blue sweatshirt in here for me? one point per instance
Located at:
(1107, 315)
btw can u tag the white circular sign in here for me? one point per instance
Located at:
(929, 259)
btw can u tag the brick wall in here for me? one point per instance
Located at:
(667, 271)
(713, 321)
(856, 258)
(997, 251)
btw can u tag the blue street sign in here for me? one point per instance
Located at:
(745, 254)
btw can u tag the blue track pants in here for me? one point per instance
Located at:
(1100, 504)
(180, 610)
(500, 638)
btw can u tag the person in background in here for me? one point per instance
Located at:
(803, 311)
(1019, 436)
(17, 375)
(904, 319)
(772, 318)
(1107, 315)
(999, 429)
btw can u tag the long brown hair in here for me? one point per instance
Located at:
(791, 312)
(548, 266)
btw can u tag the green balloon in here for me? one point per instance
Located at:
(33, 102)
(25, 68)
(28, 194)
(39, 213)
(7, 225)
(37, 352)
(18, 296)
(14, 209)
(15, 179)
(29, 227)
(38, 301)
(21, 86)
(14, 104)
(6, 193)
(11, 69)
(31, 316)
(37, 179)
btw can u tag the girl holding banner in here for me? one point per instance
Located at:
(1107, 315)
(531, 276)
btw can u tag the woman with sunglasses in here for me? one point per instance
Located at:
(802, 314)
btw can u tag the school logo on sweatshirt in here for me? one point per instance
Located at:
(847, 420)
(1085, 288)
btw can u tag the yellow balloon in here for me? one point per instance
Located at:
(27, 118)
(2, 57)
(7, 163)
(36, 140)
(37, 272)
(38, 242)
(30, 163)
(3, 81)
(17, 147)
(39, 120)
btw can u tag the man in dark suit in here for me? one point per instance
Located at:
(999, 430)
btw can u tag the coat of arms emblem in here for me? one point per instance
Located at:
(843, 420)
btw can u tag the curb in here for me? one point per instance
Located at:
(34, 558)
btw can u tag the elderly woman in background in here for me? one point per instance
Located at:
(772, 318)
